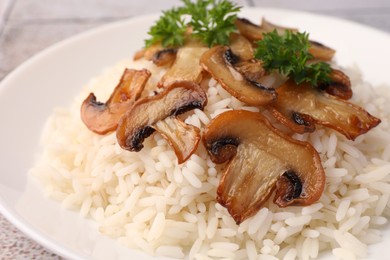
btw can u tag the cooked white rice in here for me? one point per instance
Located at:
(149, 202)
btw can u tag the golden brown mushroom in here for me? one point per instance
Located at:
(144, 118)
(339, 85)
(185, 68)
(183, 138)
(159, 55)
(320, 51)
(261, 159)
(101, 117)
(219, 61)
(241, 47)
(254, 32)
(301, 107)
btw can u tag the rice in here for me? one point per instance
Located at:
(149, 202)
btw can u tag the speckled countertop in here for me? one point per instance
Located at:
(29, 26)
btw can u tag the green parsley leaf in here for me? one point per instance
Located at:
(169, 29)
(289, 54)
(212, 21)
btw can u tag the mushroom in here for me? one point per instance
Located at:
(320, 51)
(254, 32)
(101, 117)
(183, 138)
(241, 46)
(145, 115)
(219, 61)
(261, 159)
(339, 85)
(301, 107)
(185, 68)
(160, 55)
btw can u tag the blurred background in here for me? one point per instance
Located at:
(29, 26)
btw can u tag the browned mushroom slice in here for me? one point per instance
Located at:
(261, 159)
(158, 54)
(252, 70)
(183, 138)
(101, 117)
(185, 68)
(299, 107)
(269, 27)
(254, 32)
(138, 122)
(249, 30)
(218, 61)
(241, 46)
(246, 65)
(320, 51)
(339, 85)
(164, 57)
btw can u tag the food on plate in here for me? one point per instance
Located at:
(218, 61)
(265, 182)
(301, 107)
(261, 159)
(186, 66)
(103, 117)
(138, 121)
(254, 32)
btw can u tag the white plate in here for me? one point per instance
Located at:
(53, 77)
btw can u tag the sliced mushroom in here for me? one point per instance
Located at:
(320, 51)
(301, 107)
(252, 70)
(269, 27)
(185, 68)
(160, 55)
(261, 159)
(140, 121)
(183, 138)
(241, 47)
(339, 85)
(249, 30)
(254, 32)
(101, 117)
(219, 61)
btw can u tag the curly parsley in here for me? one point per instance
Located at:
(211, 21)
(169, 29)
(289, 54)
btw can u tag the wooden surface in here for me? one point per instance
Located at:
(29, 26)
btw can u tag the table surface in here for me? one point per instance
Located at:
(29, 26)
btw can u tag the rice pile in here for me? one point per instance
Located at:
(149, 202)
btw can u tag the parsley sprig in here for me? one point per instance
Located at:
(289, 54)
(169, 29)
(211, 21)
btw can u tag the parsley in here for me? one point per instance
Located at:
(211, 21)
(169, 29)
(289, 54)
